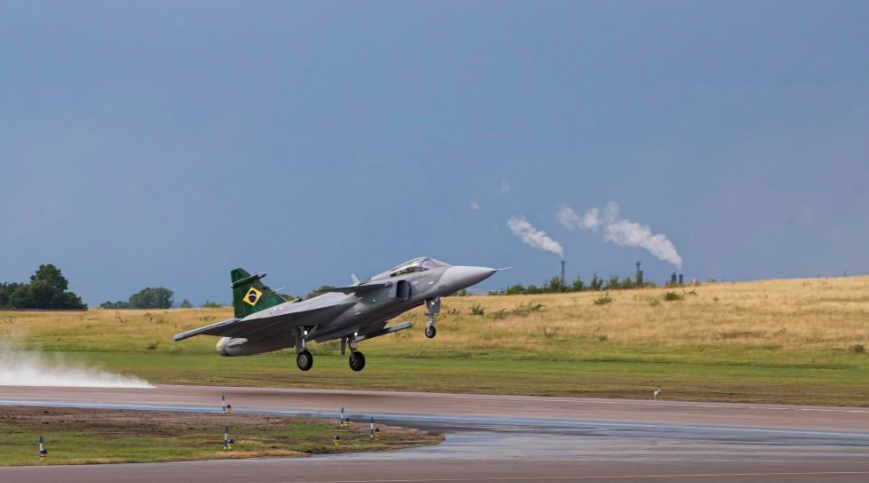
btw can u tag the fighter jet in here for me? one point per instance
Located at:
(265, 321)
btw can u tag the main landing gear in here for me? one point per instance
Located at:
(433, 307)
(357, 359)
(304, 359)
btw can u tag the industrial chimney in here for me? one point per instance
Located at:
(639, 274)
(563, 282)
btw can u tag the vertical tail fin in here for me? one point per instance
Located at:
(250, 295)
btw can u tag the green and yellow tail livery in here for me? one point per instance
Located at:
(249, 295)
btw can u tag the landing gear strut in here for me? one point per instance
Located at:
(304, 359)
(433, 307)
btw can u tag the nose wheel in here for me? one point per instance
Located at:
(357, 361)
(304, 360)
(430, 331)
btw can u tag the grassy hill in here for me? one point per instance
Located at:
(794, 341)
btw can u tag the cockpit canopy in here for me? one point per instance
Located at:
(420, 264)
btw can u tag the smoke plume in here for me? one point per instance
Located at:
(26, 368)
(572, 221)
(622, 232)
(534, 237)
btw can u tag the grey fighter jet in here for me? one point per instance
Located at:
(265, 321)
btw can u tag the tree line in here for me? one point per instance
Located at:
(47, 290)
(147, 298)
(557, 285)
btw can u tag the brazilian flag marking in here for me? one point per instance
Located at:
(252, 296)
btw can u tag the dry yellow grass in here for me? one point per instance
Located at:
(797, 314)
(789, 314)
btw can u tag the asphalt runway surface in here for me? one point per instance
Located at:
(499, 438)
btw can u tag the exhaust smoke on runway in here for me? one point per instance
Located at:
(30, 368)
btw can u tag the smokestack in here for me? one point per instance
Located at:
(673, 278)
(681, 275)
(563, 282)
(639, 274)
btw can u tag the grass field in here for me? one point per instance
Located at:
(789, 341)
(80, 436)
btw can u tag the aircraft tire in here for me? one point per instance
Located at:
(304, 360)
(430, 331)
(357, 361)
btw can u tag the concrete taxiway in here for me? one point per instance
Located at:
(501, 438)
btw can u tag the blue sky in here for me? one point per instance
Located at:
(165, 143)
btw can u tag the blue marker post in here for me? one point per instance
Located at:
(341, 423)
(226, 438)
(371, 430)
(43, 453)
(223, 403)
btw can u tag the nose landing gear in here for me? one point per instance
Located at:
(433, 307)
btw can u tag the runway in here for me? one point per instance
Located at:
(501, 438)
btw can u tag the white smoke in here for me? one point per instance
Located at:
(590, 221)
(632, 234)
(475, 206)
(622, 232)
(26, 368)
(567, 217)
(534, 237)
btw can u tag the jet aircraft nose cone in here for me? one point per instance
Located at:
(463, 277)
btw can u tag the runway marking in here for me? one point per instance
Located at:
(600, 477)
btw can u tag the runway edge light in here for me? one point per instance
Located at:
(43, 453)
